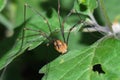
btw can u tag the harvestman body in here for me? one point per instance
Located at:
(59, 45)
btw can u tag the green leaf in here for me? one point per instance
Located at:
(2, 4)
(112, 8)
(32, 37)
(8, 48)
(104, 14)
(38, 25)
(85, 6)
(15, 11)
(67, 4)
(77, 64)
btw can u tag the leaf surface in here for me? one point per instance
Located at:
(78, 65)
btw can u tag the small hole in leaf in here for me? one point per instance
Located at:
(83, 7)
(98, 68)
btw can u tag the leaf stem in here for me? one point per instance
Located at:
(104, 13)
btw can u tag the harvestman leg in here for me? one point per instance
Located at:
(23, 32)
(81, 21)
(62, 25)
(4, 70)
(41, 32)
(60, 21)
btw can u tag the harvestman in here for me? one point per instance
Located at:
(59, 45)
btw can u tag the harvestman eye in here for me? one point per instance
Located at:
(59, 45)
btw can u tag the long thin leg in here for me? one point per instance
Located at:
(35, 11)
(81, 21)
(40, 33)
(29, 36)
(23, 32)
(62, 30)
(64, 20)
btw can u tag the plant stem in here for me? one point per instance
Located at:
(104, 13)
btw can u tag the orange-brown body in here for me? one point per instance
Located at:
(60, 46)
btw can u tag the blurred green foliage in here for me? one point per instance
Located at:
(2, 4)
(25, 63)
